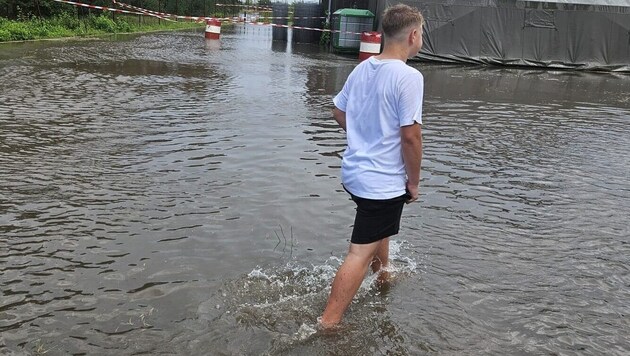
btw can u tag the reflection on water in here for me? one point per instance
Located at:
(164, 193)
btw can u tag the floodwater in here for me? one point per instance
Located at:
(166, 194)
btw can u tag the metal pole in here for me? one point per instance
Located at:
(328, 17)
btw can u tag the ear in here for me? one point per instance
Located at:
(412, 36)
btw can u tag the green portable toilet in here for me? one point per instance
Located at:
(348, 25)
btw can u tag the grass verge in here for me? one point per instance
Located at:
(67, 25)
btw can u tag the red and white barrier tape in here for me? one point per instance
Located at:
(262, 8)
(137, 8)
(197, 18)
(104, 8)
(301, 28)
(295, 18)
(162, 15)
(145, 12)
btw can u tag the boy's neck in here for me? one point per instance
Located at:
(394, 51)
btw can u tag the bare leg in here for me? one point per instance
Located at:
(381, 261)
(347, 281)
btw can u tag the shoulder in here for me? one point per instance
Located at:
(413, 72)
(402, 71)
(363, 65)
(408, 76)
(359, 68)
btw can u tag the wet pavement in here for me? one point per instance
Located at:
(163, 193)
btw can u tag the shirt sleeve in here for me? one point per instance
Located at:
(410, 99)
(341, 99)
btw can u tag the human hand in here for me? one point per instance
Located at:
(412, 191)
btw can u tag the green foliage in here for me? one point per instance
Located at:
(103, 23)
(19, 31)
(123, 26)
(324, 39)
(67, 25)
(67, 20)
(5, 35)
(27, 9)
(38, 28)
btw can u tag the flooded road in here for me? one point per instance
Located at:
(166, 194)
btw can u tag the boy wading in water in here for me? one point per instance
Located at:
(380, 108)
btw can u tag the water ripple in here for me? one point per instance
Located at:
(144, 177)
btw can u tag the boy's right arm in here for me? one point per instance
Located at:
(340, 117)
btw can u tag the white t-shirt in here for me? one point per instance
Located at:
(379, 97)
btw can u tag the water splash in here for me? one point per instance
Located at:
(305, 331)
(287, 300)
(282, 304)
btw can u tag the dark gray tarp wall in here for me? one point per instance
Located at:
(586, 34)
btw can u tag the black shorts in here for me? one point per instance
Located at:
(376, 219)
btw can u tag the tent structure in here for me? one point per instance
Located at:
(572, 34)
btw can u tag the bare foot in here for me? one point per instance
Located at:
(384, 277)
(385, 281)
(327, 326)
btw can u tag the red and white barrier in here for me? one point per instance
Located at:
(213, 29)
(213, 25)
(162, 15)
(300, 27)
(261, 8)
(289, 17)
(103, 8)
(370, 45)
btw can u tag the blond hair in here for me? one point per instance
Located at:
(400, 17)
